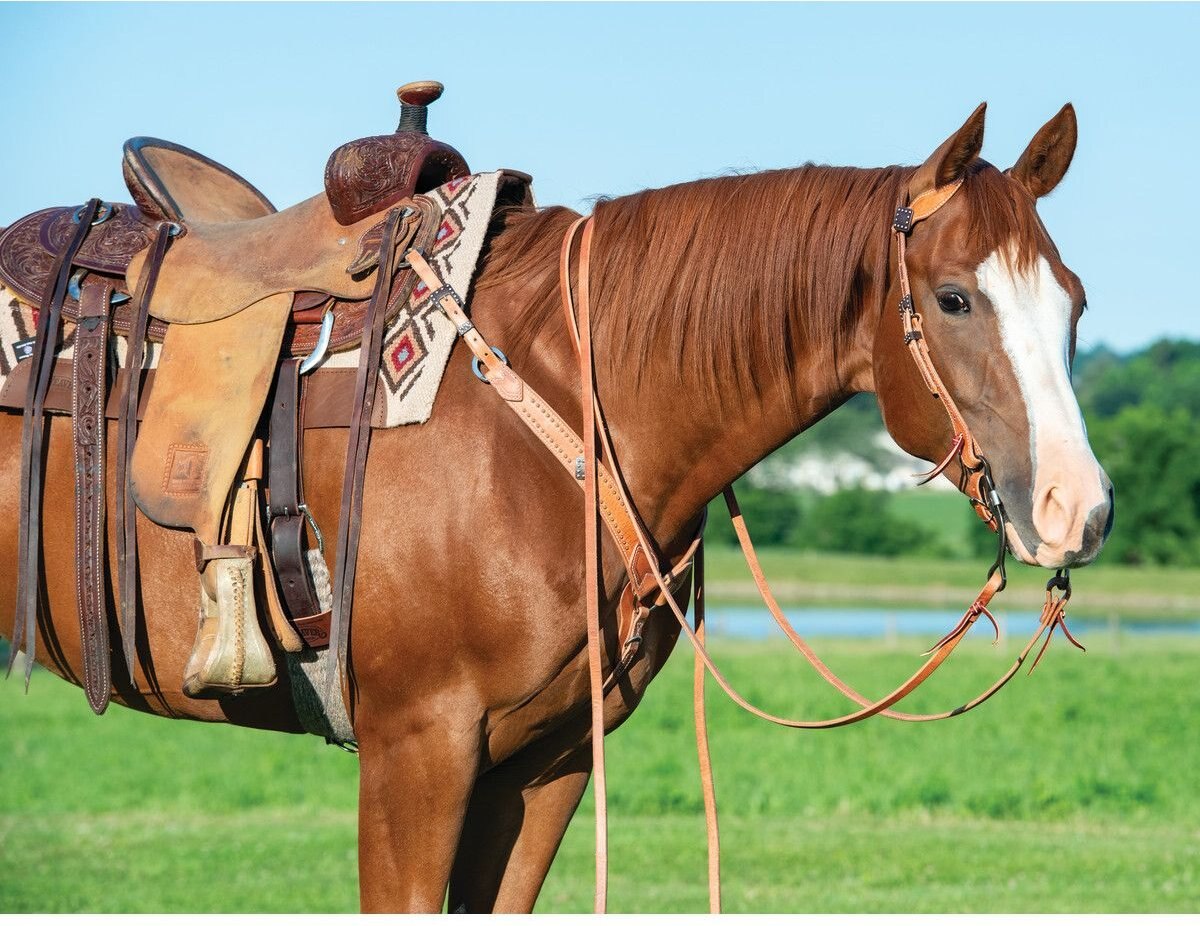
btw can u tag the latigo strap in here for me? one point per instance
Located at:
(89, 379)
(33, 439)
(127, 425)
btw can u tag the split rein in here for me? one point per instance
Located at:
(651, 585)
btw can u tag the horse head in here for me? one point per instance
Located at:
(999, 310)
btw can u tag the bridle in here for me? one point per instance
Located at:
(654, 583)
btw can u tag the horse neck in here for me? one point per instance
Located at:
(678, 448)
(679, 443)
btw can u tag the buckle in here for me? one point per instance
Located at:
(477, 364)
(105, 212)
(446, 290)
(906, 304)
(903, 222)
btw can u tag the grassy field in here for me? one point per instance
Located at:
(804, 577)
(1074, 790)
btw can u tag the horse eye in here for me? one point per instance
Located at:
(953, 303)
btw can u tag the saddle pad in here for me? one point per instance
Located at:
(417, 343)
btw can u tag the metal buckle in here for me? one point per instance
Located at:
(447, 290)
(903, 221)
(906, 304)
(75, 289)
(103, 214)
(1061, 582)
(477, 367)
(312, 522)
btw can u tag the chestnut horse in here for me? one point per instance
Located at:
(729, 315)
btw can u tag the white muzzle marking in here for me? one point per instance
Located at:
(1034, 315)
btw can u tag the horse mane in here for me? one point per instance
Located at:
(723, 281)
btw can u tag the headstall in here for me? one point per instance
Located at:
(652, 583)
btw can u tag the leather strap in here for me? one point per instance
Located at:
(712, 826)
(286, 509)
(29, 537)
(127, 423)
(591, 559)
(976, 482)
(89, 380)
(366, 382)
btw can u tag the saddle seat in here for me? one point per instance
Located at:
(217, 269)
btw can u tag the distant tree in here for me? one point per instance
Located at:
(1166, 375)
(774, 517)
(1153, 458)
(861, 521)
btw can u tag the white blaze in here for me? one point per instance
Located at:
(1034, 315)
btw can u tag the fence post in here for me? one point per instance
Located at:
(891, 631)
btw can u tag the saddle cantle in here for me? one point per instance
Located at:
(204, 264)
(175, 184)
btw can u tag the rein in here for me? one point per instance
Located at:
(652, 584)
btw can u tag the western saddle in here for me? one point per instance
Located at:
(240, 300)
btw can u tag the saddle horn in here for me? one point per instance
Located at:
(415, 99)
(367, 176)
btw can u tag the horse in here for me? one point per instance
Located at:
(729, 315)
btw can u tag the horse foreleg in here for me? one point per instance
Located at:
(513, 828)
(414, 786)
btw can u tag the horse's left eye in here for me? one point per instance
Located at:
(953, 303)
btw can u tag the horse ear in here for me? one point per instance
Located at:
(1049, 155)
(952, 158)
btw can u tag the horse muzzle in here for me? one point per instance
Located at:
(1069, 526)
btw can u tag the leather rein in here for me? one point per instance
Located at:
(653, 583)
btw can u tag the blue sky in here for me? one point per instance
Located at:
(607, 99)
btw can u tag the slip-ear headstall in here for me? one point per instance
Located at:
(652, 583)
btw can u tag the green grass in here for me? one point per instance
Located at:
(1073, 790)
(946, 515)
(804, 577)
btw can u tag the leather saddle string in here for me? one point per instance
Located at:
(127, 428)
(29, 540)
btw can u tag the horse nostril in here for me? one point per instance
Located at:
(1052, 516)
(1112, 512)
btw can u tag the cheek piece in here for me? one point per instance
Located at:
(975, 480)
